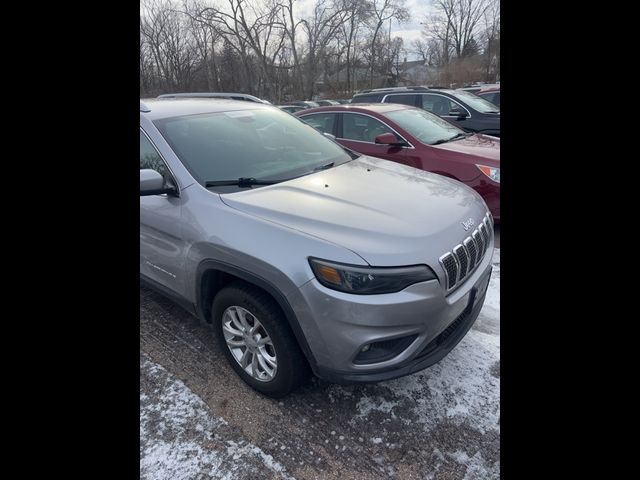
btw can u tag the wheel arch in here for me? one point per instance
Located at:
(212, 275)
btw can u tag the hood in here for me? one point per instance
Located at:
(389, 214)
(483, 148)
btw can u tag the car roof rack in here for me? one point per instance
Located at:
(233, 96)
(143, 107)
(394, 89)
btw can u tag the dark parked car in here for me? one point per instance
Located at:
(490, 95)
(327, 103)
(413, 137)
(463, 109)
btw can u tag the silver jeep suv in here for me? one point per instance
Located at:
(301, 255)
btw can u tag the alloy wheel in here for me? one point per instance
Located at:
(249, 343)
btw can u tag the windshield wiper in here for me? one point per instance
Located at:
(242, 182)
(493, 111)
(246, 182)
(324, 167)
(445, 140)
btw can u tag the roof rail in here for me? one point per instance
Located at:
(143, 107)
(233, 96)
(393, 89)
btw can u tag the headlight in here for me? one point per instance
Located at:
(491, 172)
(367, 280)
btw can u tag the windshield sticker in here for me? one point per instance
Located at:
(243, 114)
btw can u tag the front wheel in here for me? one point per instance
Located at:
(257, 341)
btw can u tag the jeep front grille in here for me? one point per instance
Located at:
(465, 257)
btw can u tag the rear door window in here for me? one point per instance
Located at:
(493, 97)
(438, 104)
(404, 99)
(376, 98)
(362, 128)
(324, 122)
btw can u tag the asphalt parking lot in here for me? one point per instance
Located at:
(200, 421)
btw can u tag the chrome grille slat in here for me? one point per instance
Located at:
(449, 265)
(483, 232)
(479, 243)
(487, 224)
(462, 261)
(473, 251)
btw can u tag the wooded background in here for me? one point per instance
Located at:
(278, 50)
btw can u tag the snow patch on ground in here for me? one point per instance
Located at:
(176, 436)
(460, 387)
(179, 461)
(368, 404)
(477, 468)
(177, 406)
(241, 449)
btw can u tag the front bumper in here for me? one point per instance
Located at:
(337, 325)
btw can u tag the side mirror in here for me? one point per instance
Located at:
(388, 139)
(456, 112)
(328, 135)
(152, 183)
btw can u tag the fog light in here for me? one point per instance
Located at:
(383, 350)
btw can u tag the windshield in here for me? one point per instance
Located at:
(426, 127)
(475, 102)
(265, 144)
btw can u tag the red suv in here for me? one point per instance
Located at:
(417, 138)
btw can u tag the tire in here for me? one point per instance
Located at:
(240, 301)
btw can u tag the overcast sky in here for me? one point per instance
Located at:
(410, 31)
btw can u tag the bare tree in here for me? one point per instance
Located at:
(356, 13)
(461, 19)
(381, 12)
(250, 28)
(289, 24)
(420, 48)
(145, 67)
(168, 39)
(206, 37)
(320, 28)
(491, 38)
(462, 38)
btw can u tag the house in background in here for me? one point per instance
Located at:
(416, 72)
